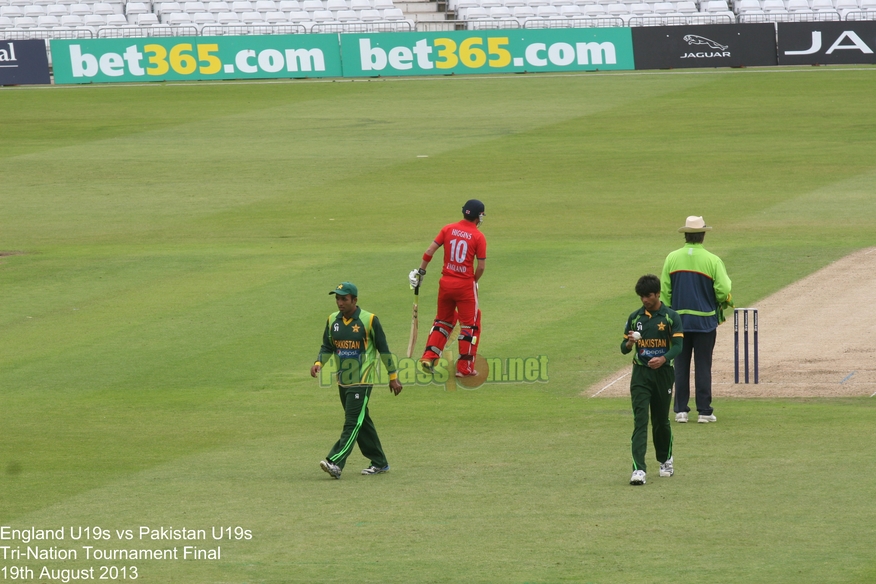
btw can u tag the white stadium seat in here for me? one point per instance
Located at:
(798, 6)
(241, 6)
(265, 6)
(134, 8)
(46, 21)
(641, 9)
(547, 12)
(371, 15)
(686, 7)
(24, 22)
(522, 13)
(219, 7)
(72, 21)
(6, 22)
(150, 19)
(102, 8)
(742, 6)
(571, 11)
(322, 16)
(664, 8)
(299, 17)
(473, 13)
(618, 9)
(116, 20)
(347, 16)
(94, 20)
(168, 8)
(395, 14)
(194, 7)
(34, 11)
(203, 18)
(228, 18)
(288, 6)
(774, 7)
(58, 10)
(14, 11)
(252, 17)
(80, 9)
(713, 6)
(178, 19)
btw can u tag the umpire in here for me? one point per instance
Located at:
(354, 337)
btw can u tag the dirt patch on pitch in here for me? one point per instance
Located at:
(813, 341)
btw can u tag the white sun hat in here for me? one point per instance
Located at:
(694, 224)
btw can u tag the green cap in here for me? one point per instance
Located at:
(345, 288)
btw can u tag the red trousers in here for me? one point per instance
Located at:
(457, 301)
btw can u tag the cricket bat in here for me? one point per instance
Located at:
(414, 323)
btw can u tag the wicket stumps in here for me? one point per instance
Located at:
(744, 312)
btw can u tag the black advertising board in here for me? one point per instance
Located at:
(704, 45)
(822, 43)
(24, 63)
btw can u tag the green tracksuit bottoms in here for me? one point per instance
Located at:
(358, 428)
(651, 390)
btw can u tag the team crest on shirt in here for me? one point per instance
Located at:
(356, 328)
(661, 326)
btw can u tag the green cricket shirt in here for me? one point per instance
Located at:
(662, 335)
(356, 342)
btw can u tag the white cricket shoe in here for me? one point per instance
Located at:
(638, 477)
(681, 417)
(706, 419)
(666, 469)
(331, 468)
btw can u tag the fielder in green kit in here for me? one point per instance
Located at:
(656, 332)
(355, 337)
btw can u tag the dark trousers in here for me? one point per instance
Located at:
(701, 346)
(358, 428)
(651, 391)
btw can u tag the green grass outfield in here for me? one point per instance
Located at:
(170, 249)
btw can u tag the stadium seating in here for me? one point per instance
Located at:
(91, 16)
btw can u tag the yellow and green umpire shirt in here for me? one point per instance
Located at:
(662, 334)
(356, 342)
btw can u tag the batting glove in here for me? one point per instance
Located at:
(416, 277)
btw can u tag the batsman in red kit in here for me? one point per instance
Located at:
(458, 289)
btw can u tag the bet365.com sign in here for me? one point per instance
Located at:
(494, 51)
(346, 55)
(196, 58)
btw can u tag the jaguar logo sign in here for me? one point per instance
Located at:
(816, 43)
(693, 39)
